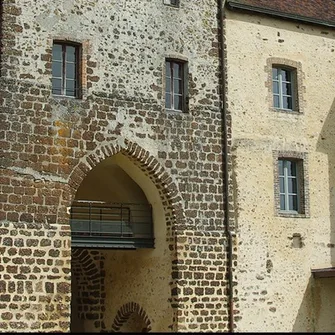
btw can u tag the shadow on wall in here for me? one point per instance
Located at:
(316, 312)
(324, 288)
(326, 145)
(304, 321)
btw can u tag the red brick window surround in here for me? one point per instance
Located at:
(65, 69)
(68, 63)
(176, 90)
(291, 187)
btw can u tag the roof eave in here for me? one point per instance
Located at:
(239, 6)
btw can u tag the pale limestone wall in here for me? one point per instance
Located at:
(275, 286)
(144, 275)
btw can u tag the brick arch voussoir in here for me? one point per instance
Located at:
(124, 314)
(140, 157)
(85, 270)
(83, 258)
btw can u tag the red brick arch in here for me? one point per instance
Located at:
(124, 314)
(150, 166)
(168, 191)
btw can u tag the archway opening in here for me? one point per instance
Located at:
(111, 211)
(111, 268)
(134, 324)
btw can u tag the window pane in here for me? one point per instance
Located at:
(274, 73)
(70, 53)
(70, 88)
(56, 69)
(292, 185)
(177, 102)
(293, 202)
(291, 168)
(167, 85)
(287, 89)
(281, 184)
(282, 202)
(275, 87)
(168, 69)
(276, 101)
(70, 71)
(287, 103)
(56, 86)
(177, 70)
(177, 86)
(281, 167)
(168, 100)
(286, 75)
(57, 52)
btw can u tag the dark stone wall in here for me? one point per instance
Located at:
(49, 144)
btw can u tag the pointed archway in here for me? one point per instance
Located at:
(142, 275)
(131, 317)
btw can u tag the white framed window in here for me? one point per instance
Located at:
(175, 85)
(289, 184)
(65, 69)
(283, 88)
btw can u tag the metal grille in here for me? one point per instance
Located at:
(102, 224)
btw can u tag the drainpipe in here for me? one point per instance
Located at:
(221, 5)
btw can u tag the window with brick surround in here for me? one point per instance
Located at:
(284, 88)
(291, 184)
(175, 85)
(65, 69)
(285, 85)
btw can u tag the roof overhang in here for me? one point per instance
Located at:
(323, 273)
(233, 5)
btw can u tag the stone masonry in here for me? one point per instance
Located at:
(49, 144)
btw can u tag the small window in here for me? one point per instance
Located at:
(289, 184)
(283, 82)
(175, 85)
(174, 3)
(65, 70)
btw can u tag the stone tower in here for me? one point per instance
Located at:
(113, 152)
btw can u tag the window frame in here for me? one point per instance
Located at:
(184, 80)
(299, 89)
(303, 205)
(64, 62)
(288, 180)
(280, 81)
